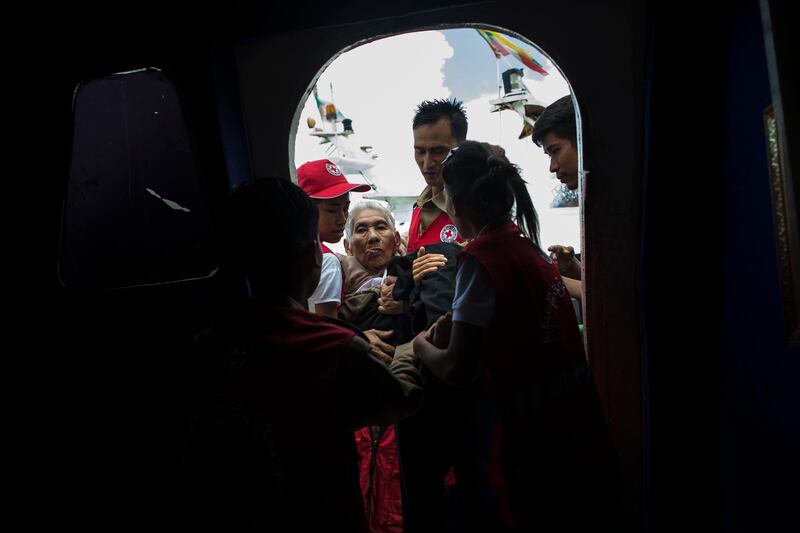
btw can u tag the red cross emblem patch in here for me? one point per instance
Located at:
(332, 169)
(449, 233)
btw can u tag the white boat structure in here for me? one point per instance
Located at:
(355, 159)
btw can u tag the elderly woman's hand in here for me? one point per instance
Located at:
(380, 349)
(387, 305)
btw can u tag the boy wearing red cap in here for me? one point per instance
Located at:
(323, 181)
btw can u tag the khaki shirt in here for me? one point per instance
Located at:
(429, 207)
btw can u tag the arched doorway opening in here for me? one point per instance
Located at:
(374, 86)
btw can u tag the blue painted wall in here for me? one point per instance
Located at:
(760, 395)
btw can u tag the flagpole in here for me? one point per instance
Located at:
(499, 95)
(334, 106)
(499, 86)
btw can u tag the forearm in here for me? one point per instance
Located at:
(405, 366)
(453, 365)
(574, 287)
(328, 309)
(436, 359)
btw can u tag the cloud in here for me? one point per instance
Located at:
(378, 86)
(548, 89)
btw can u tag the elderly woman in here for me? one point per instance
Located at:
(371, 241)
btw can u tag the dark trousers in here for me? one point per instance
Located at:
(452, 430)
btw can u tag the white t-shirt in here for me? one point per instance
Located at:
(330, 281)
(474, 299)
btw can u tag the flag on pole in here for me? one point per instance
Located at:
(327, 111)
(503, 47)
(496, 47)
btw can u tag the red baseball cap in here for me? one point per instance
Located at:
(322, 179)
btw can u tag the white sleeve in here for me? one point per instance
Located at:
(330, 281)
(474, 297)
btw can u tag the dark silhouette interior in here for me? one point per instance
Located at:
(683, 302)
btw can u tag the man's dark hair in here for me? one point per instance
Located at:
(432, 111)
(558, 118)
(266, 223)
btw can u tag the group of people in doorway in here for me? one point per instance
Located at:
(432, 384)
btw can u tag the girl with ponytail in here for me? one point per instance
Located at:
(550, 461)
(485, 186)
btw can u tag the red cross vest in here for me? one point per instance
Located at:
(441, 229)
(550, 425)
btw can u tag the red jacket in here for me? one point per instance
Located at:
(441, 229)
(282, 369)
(550, 443)
(380, 479)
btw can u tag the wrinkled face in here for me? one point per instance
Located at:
(432, 143)
(332, 217)
(373, 242)
(563, 159)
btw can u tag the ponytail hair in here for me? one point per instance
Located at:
(481, 176)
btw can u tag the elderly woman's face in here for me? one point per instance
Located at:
(374, 241)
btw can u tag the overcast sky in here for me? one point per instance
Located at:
(378, 86)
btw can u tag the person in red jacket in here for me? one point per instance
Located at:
(270, 445)
(438, 126)
(551, 464)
